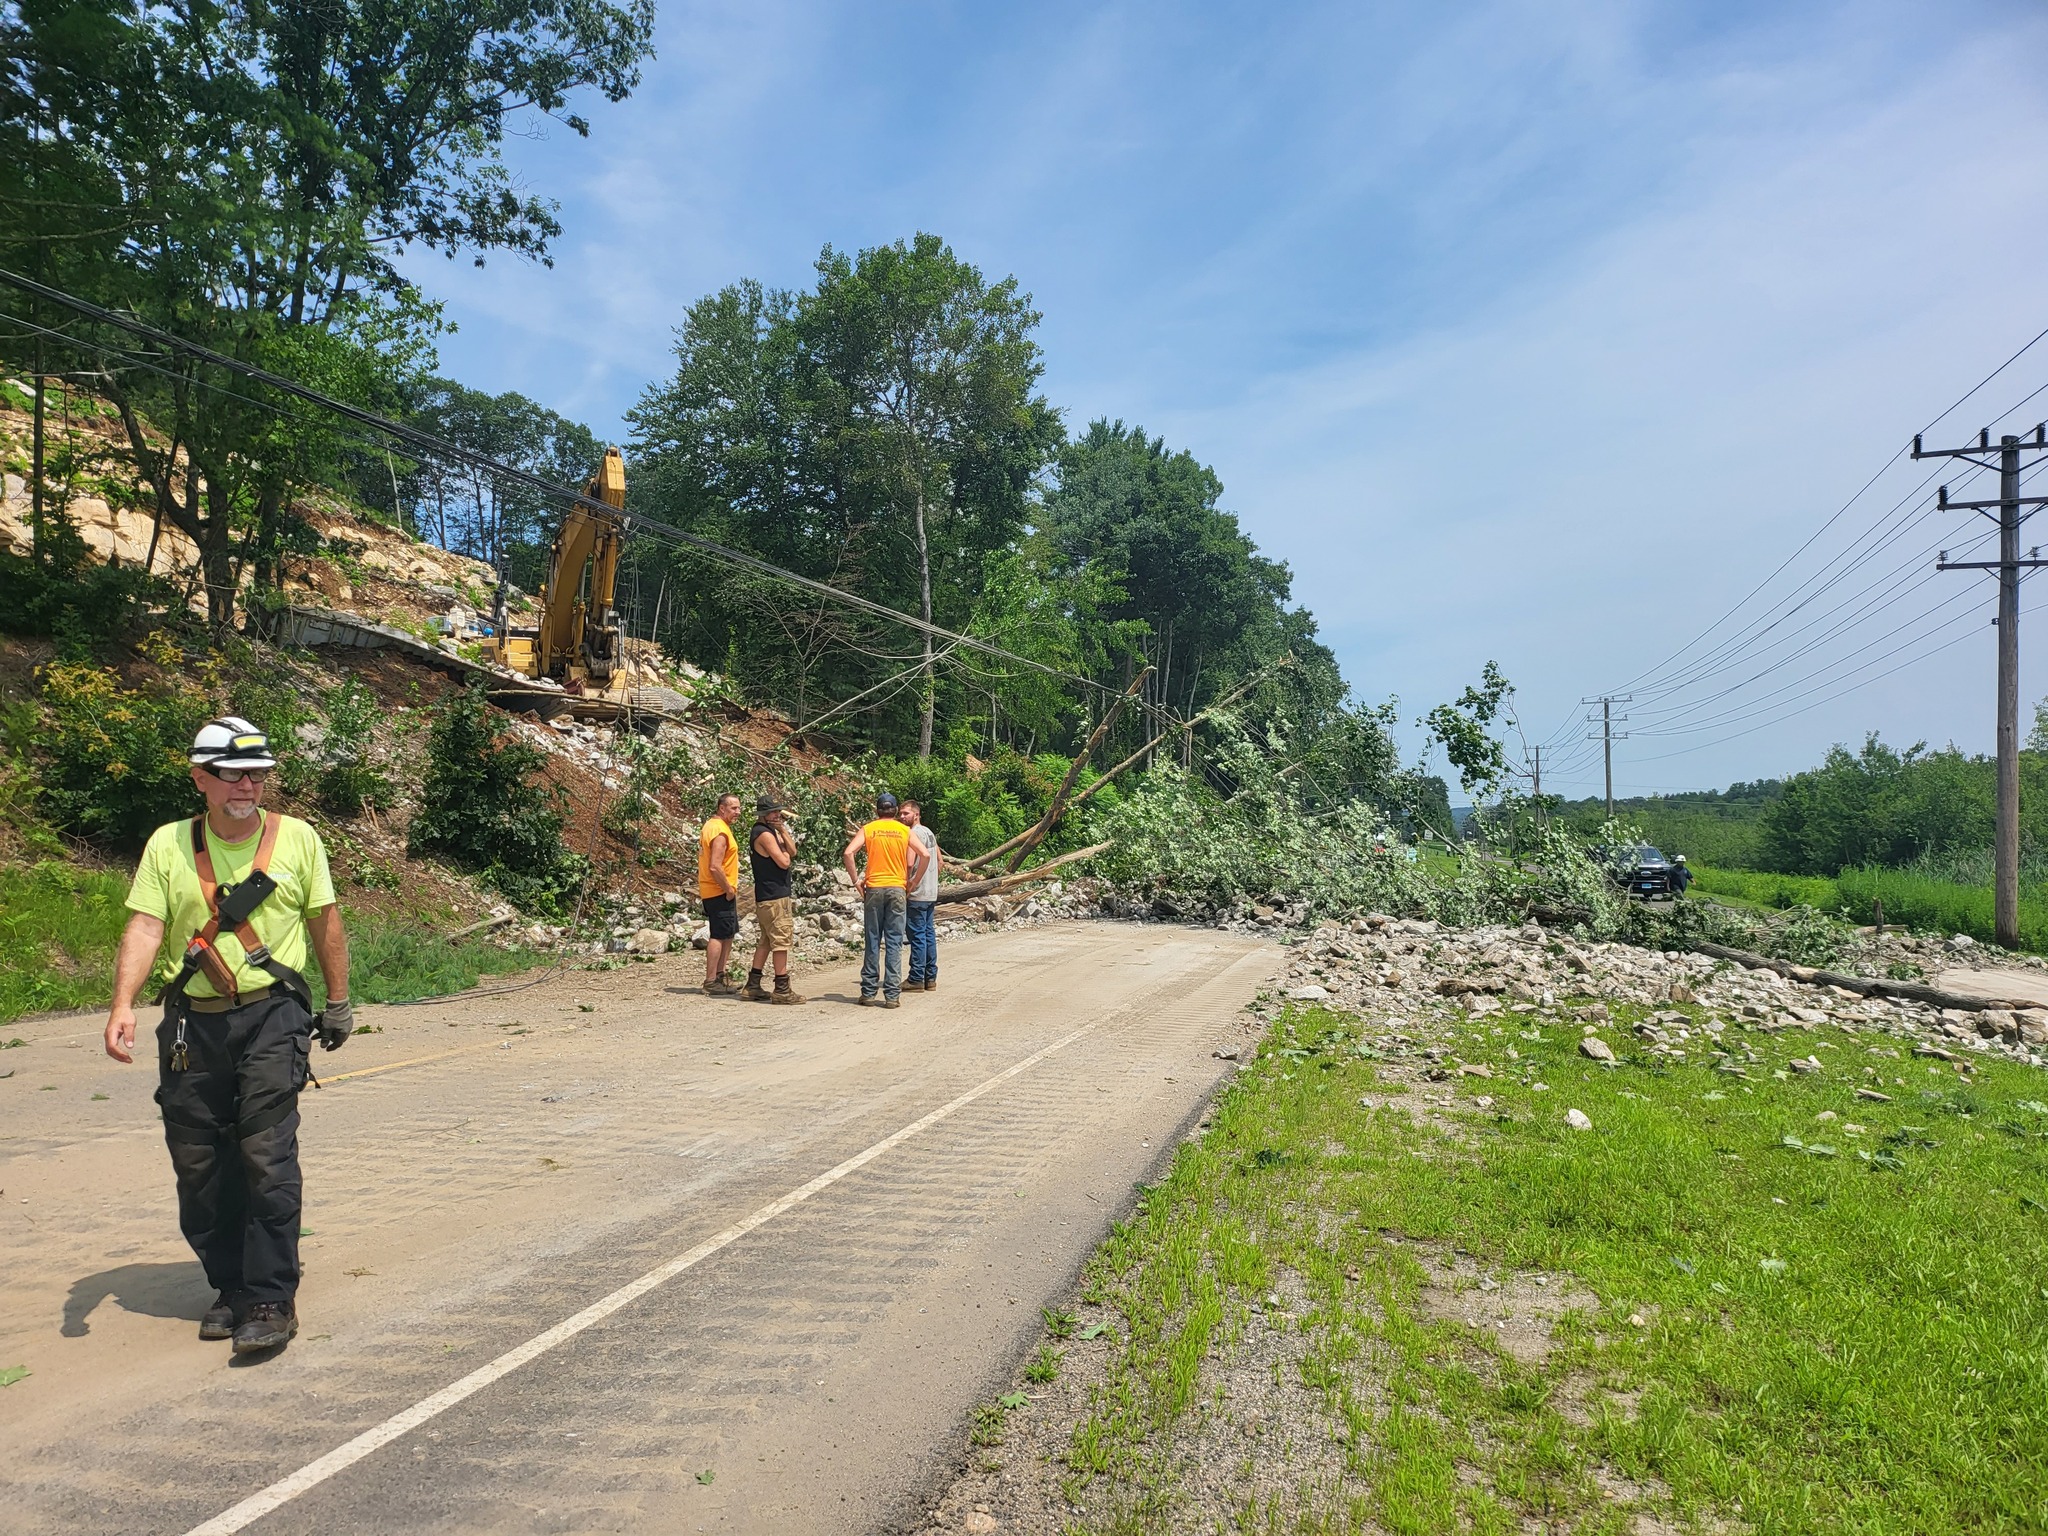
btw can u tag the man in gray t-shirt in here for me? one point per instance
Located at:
(922, 974)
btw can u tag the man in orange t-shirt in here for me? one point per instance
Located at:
(718, 886)
(894, 863)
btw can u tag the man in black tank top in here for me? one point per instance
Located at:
(771, 848)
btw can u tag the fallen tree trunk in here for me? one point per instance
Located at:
(1032, 836)
(967, 890)
(1137, 757)
(1867, 986)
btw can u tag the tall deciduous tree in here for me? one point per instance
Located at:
(922, 373)
(247, 175)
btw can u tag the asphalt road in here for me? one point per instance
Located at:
(603, 1254)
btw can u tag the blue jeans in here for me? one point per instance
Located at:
(882, 918)
(924, 942)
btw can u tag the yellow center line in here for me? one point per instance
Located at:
(420, 1061)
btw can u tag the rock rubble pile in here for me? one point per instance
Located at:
(1421, 982)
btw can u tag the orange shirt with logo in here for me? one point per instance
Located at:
(888, 843)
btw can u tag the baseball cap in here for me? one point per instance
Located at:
(885, 801)
(768, 803)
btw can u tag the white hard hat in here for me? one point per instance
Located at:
(231, 742)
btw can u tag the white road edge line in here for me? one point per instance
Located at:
(314, 1473)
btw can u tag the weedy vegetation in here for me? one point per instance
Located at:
(1790, 1309)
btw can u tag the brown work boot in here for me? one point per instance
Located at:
(783, 992)
(268, 1325)
(222, 1318)
(932, 985)
(720, 988)
(913, 986)
(752, 991)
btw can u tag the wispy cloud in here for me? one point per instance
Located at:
(1522, 331)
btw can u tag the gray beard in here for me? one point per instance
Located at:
(238, 812)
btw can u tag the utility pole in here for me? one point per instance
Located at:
(2006, 512)
(1607, 719)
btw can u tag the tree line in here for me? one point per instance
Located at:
(247, 177)
(1877, 805)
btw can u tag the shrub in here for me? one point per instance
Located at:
(349, 778)
(114, 759)
(482, 811)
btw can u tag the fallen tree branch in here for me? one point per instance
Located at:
(968, 890)
(1867, 986)
(982, 860)
(1058, 807)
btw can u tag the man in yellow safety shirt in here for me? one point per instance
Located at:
(241, 893)
(718, 886)
(894, 863)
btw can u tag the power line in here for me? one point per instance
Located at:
(539, 483)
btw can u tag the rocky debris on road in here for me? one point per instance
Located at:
(1414, 977)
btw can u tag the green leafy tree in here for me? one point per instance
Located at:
(247, 176)
(922, 373)
(1464, 730)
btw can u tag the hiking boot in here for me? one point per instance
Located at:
(869, 1000)
(222, 1317)
(269, 1324)
(931, 984)
(892, 1002)
(783, 992)
(752, 991)
(720, 988)
(913, 986)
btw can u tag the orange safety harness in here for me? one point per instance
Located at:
(200, 952)
(202, 956)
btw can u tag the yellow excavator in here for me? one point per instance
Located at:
(577, 642)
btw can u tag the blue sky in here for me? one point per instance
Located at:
(1526, 332)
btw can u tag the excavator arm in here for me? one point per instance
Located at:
(579, 630)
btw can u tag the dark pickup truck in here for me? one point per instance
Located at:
(1641, 870)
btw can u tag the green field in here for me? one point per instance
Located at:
(1909, 899)
(1787, 1325)
(59, 925)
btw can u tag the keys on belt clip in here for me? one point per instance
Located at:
(181, 1057)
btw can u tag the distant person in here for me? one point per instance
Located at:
(894, 861)
(922, 919)
(243, 895)
(718, 887)
(771, 848)
(1681, 875)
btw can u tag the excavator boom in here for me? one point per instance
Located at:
(577, 640)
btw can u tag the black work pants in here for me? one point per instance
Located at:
(231, 1118)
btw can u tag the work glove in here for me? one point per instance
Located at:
(336, 1023)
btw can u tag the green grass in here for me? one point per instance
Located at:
(1921, 901)
(60, 925)
(1838, 1333)
(1912, 899)
(392, 960)
(1774, 893)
